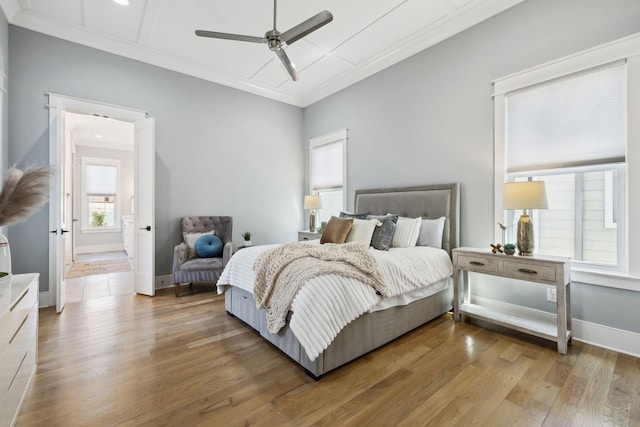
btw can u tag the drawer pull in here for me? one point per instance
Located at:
(527, 270)
(476, 263)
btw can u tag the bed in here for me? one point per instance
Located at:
(380, 325)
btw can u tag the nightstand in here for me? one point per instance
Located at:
(308, 235)
(554, 271)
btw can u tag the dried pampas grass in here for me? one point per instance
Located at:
(23, 193)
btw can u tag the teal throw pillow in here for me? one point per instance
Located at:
(209, 246)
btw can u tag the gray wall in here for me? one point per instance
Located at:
(219, 151)
(429, 119)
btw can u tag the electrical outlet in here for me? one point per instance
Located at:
(551, 295)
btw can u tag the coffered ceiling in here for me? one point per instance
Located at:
(365, 36)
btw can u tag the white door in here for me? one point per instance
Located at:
(144, 191)
(57, 210)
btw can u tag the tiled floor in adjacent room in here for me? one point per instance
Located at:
(99, 285)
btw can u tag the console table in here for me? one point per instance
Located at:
(554, 271)
(18, 342)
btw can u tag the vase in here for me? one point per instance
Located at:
(5, 258)
(247, 243)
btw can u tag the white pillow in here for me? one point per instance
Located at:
(407, 231)
(190, 238)
(431, 232)
(362, 231)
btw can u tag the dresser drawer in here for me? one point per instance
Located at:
(17, 312)
(527, 271)
(479, 264)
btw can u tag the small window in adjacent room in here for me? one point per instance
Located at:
(100, 196)
(328, 171)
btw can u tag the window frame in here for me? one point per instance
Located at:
(628, 49)
(86, 226)
(511, 217)
(341, 137)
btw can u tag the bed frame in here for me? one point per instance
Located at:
(370, 330)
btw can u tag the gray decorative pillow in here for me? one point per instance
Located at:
(383, 234)
(353, 215)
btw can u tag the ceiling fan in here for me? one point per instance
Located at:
(277, 41)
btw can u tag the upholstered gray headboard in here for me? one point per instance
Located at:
(426, 201)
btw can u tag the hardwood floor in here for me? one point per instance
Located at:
(133, 360)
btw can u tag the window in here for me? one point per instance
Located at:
(328, 171)
(568, 123)
(571, 130)
(582, 219)
(101, 179)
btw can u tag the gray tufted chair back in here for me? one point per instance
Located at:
(223, 225)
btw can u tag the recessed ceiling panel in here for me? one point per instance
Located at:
(349, 17)
(459, 4)
(301, 53)
(66, 10)
(315, 75)
(115, 20)
(404, 21)
(230, 56)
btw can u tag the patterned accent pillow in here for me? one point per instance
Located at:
(407, 231)
(337, 230)
(383, 234)
(190, 238)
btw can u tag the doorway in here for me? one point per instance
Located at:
(99, 249)
(102, 200)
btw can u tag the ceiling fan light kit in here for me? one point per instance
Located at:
(277, 41)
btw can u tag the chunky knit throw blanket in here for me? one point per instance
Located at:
(281, 272)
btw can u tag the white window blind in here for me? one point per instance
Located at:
(327, 166)
(101, 179)
(575, 120)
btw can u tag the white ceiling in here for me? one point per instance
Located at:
(100, 132)
(365, 36)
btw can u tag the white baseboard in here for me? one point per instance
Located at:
(91, 249)
(165, 281)
(44, 299)
(619, 340)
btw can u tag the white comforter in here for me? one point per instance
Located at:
(327, 303)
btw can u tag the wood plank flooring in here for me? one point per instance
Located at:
(132, 360)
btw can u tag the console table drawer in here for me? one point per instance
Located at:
(526, 271)
(479, 264)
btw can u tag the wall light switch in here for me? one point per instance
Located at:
(551, 295)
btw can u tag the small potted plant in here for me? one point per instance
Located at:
(509, 248)
(247, 238)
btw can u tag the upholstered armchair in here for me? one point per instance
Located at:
(189, 268)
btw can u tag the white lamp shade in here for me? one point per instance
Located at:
(312, 202)
(524, 195)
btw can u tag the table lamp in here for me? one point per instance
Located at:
(525, 195)
(312, 202)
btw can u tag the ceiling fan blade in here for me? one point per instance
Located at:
(227, 36)
(286, 63)
(310, 25)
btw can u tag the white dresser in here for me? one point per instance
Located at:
(18, 342)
